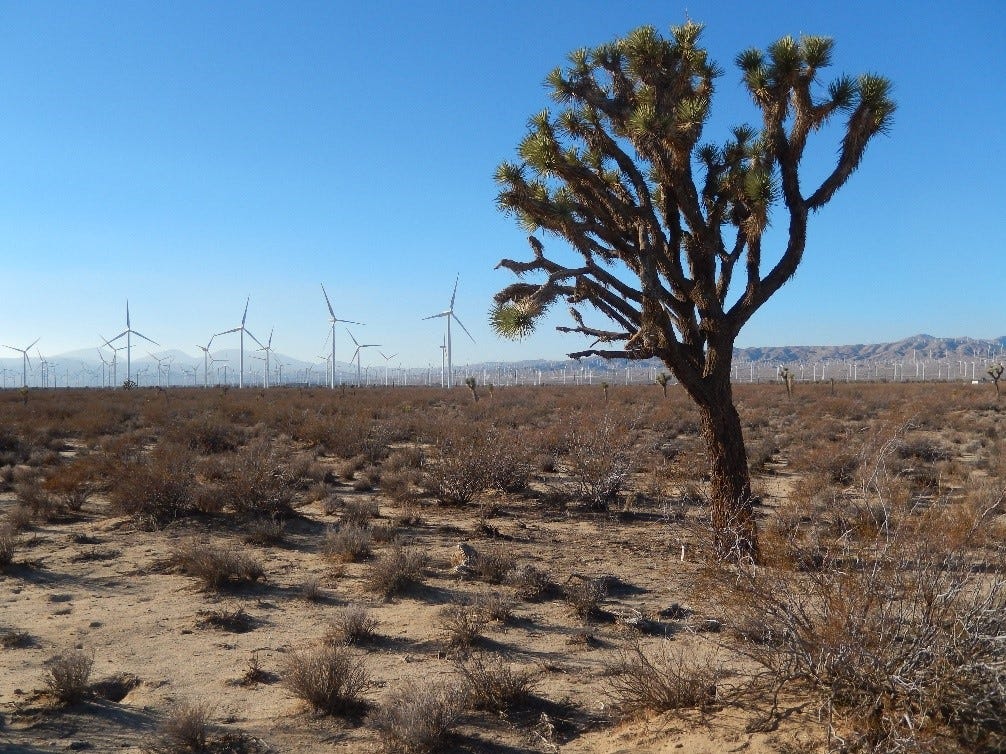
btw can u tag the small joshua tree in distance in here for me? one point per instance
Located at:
(787, 377)
(662, 379)
(470, 382)
(995, 371)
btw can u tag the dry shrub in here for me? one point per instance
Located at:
(33, 497)
(8, 542)
(584, 596)
(158, 487)
(599, 462)
(460, 472)
(462, 624)
(217, 568)
(331, 679)
(367, 479)
(352, 625)
(901, 636)
(494, 685)
(396, 570)
(184, 729)
(529, 583)
(359, 513)
(666, 680)
(72, 483)
(12, 639)
(207, 434)
(263, 531)
(257, 483)
(401, 485)
(67, 675)
(494, 564)
(493, 606)
(347, 544)
(417, 718)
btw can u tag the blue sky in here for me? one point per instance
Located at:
(186, 155)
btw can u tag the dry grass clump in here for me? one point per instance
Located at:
(329, 678)
(352, 625)
(13, 639)
(599, 462)
(666, 680)
(417, 718)
(184, 730)
(396, 570)
(67, 675)
(494, 685)
(236, 621)
(346, 544)
(216, 568)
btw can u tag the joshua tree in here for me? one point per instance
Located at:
(659, 220)
(662, 379)
(787, 377)
(996, 372)
(470, 382)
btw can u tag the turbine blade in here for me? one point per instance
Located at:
(227, 332)
(353, 339)
(462, 326)
(243, 316)
(434, 316)
(146, 338)
(455, 290)
(252, 336)
(349, 322)
(33, 344)
(327, 301)
(270, 337)
(127, 314)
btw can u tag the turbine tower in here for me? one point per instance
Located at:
(25, 361)
(206, 361)
(241, 329)
(115, 359)
(268, 352)
(387, 359)
(333, 319)
(356, 355)
(449, 315)
(128, 334)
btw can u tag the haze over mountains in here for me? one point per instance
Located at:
(85, 367)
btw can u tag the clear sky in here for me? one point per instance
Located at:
(185, 155)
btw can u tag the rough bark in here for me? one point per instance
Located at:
(735, 530)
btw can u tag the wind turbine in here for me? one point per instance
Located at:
(268, 351)
(241, 329)
(449, 315)
(25, 361)
(115, 359)
(333, 319)
(356, 355)
(160, 365)
(386, 360)
(206, 363)
(128, 334)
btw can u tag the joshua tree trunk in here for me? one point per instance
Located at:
(733, 519)
(732, 504)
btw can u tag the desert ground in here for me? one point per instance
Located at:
(413, 570)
